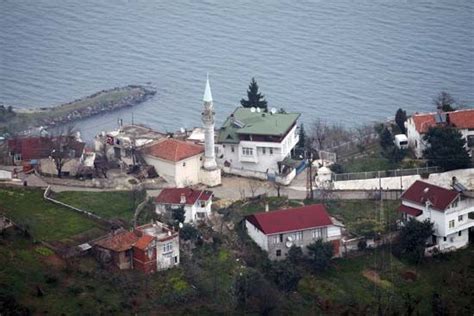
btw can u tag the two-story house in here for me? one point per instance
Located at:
(148, 248)
(253, 143)
(277, 231)
(418, 124)
(450, 211)
(196, 203)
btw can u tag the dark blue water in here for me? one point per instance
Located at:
(345, 61)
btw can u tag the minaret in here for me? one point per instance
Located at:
(208, 120)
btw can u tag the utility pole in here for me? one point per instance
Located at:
(309, 177)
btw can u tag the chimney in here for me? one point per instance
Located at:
(182, 199)
(267, 208)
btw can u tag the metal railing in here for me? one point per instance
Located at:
(384, 173)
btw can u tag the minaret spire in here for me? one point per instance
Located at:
(208, 120)
(207, 91)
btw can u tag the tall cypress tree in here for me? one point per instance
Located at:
(255, 98)
(400, 118)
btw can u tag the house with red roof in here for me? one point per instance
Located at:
(419, 123)
(37, 152)
(177, 161)
(450, 210)
(277, 231)
(196, 203)
(149, 248)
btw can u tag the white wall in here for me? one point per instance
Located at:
(182, 173)
(166, 260)
(415, 140)
(259, 237)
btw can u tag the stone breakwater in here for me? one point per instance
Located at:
(97, 103)
(25, 121)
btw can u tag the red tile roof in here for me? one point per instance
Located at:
(423, 122)
(419, 192)
(40, 147)
(409, 210)
(144, 241)
(291, 219)
(462, 118)
(173, 196)
(119, 242)
(173, 149)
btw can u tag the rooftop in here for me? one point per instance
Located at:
(172, 149)
(459, 119)
(118, 241)
(246, 121)
(420, 192)
(41, 147)
(292, 219)
(173, 196)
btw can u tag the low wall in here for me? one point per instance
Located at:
(286, 180)
(444, 179)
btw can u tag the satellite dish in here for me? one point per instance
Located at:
(252, 109)
(288, 244)
(258, 110)
(289, 238)
(180, 225)
(273, 110)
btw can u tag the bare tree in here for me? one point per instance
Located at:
(62, 148)
(445, 102)
(253, 186)
(318, 134)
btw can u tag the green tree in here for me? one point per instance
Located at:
(386, 140)
(413, 237)
(285, 275)
(445, 148)
(178, 214)
(295, 254)
(400, 118)
(321, 254)
(255, 98)
(302, 141)
(189, 232)
(444, 102)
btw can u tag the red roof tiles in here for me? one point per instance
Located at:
(409, 210)
(291, 219)
(119, 242)
(462, 118)
(41, 147)
(173, 149)
(173, 196)
(420, 192)
(144, 241)
(423, 122)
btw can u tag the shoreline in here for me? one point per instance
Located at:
(24, 121)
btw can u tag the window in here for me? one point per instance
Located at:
(317, 233)
(232, 149)
(470, 141)
(278, 253)
(454, 204)
(150, 252)
(203, 203)
(246, 151)
(281, 237)
(451, 223)
(297, 236)
(275, 239)
(271, 151)
(264, 150)
(176, 259)
(444, 238)
(168, 247)
(460, 218)
(460, 233)
(184, 164)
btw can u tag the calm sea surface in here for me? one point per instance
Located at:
(345, 61)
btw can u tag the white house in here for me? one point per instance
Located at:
(418, 124)
(196, 203)
(257, 144)
(447, 209)
(276, 231)
(178, 162)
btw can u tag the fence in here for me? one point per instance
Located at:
(384, 173)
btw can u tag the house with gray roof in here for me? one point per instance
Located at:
(254, 143)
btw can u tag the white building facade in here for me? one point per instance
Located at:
(256, 144)
(196, 203)
(448, 210)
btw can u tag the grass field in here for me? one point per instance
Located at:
(44, 220)
(108, 205)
